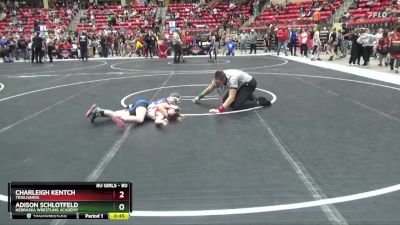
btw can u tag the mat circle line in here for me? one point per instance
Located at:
(113, 66)
(200, 85)
(1, 86)
(62, 70)
(200, 64)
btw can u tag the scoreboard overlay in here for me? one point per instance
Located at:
(70, 200)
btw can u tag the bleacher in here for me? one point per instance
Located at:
(374, 14)
(206, 18)
(27, 16)
(101, 15)
(290, 15)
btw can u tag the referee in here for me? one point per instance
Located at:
(236, 88)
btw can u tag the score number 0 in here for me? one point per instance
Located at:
(121, 196)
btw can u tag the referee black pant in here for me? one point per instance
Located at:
(50, 52)
(244, 97)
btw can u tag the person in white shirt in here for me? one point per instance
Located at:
(303, 41)
(232, 6)
(378, 36)
(235, 88)
(317, 45)
(244, 38)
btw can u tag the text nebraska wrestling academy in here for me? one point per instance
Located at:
(35, 207)
(34, 194)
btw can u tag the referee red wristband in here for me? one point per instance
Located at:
(221, 109)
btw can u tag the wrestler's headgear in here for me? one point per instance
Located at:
(175, 98)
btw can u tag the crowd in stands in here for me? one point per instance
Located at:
(15, 19)
(136, 31)
(99, 18)
(208, 16)
(372, 13)
(18, 26)
(299, 14)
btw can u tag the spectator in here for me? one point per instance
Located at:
(293, 42)
(22, 48)
(271, 38)
(332, 43)
(395, 49)
(338, 48)
(253, 41)
(383, 48)
(110, 44)
(230, 47)
(367, 41)
(12, 48)
(378, 36)
(282, 37)
(316, 44)
(244, 38)
(116, 42)
(104, 48)
(50, 43)
(356, 48)
(139, 46)
(345, 43)
(4, 49)
(3, 16)
(303, 39)
(232, 6)
(163, 49)
(317, 17)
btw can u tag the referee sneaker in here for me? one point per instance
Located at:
(236, 89)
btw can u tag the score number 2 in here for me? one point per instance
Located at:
(121, 195)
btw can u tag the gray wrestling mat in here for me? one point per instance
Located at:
(330, 137)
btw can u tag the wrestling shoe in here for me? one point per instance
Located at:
(119, 122)
(261, 101)
(90, 110)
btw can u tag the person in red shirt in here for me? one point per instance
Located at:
(394, 49)
(163, 49)
(187, 41)
(383, 48)
(282, 37)
(67, 46)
